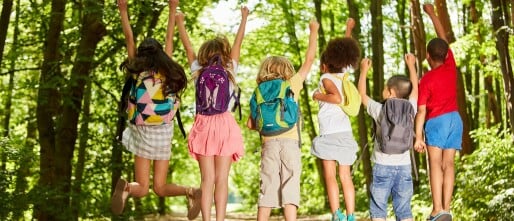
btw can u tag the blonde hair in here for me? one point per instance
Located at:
(218, 46)
(275, 67)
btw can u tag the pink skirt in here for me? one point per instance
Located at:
(216, 135)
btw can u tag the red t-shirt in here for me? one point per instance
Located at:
(438, 88)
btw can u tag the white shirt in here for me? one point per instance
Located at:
(331, 117)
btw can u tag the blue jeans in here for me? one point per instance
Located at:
(395, 181)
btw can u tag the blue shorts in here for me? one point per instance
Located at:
(444, 131)
(395, 181)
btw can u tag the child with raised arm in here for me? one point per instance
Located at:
(149, 133)
(215, 140)
(335, 145)
(391, 172)
(438, 114)
(281, 166)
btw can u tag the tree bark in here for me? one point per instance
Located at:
(418, 35)
(442, 13)
(502, 39)
(48, 102)
(4, 25)
(377, 38)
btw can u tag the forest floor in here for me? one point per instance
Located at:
(240, 217)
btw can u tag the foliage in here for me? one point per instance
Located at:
(484, 180)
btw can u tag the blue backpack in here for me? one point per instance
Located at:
(273, 108)
(213, 89)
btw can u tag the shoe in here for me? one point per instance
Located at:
(119, 197)
(194, 199)
(351, 217)
(441, 216)
(338, 216)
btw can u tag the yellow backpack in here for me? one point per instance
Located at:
(352, 99)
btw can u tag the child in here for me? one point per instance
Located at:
(437, 105)
(215, 140)
(152, 142)
(335, 144)
(391, 172)
(281, 156)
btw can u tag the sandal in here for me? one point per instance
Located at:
(119, 197)
(441, 216)
(194, 199)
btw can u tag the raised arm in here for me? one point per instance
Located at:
(361, 86)
(439, 29)
(310, 55)
(410, 60)
(127, 30)
(236, 47)
(350, 24)
(190, 53)
(168, 47)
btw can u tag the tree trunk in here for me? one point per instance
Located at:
(492, 105)
(4, 25)
(81, 157)
(502, 40)
(442, 13)
(377, 38)
(47, 105)
(418, 35)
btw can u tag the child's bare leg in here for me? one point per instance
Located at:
(207, 171)
(222, 169)
(290, 212)
(435, 158)
(348, 189)
(448, 177)
(329, 172)
(263, 213)
(142, 170)
(161, 188)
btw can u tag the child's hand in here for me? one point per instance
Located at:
(350, 23)
(180, 17)
(313, 25)
(122, 5)
(419, 145)
(365, 65)
(244, 12)
(173, 4)
(410, 59)
(315, 93)
(428, 8)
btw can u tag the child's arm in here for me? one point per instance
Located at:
(168, 46)
(439, 29)
(350, 24)
(410, 60)
(310, 55)
(361, 86)
(236, 47)
(419, 144)
(127, 30)
(331, 94)
(190, 53)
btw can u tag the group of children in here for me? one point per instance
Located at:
(158, 81)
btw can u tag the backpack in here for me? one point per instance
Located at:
(396, 126)
(273, 108)
(352, 99)
(146, 103)
(213, 89)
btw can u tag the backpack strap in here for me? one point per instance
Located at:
(237, 103)
(180, 124)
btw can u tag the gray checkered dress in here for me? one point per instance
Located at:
(150, 142)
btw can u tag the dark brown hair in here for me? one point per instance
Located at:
(340, 53)
(401, 85)
(437, 49)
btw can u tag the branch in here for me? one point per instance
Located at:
(23, 69)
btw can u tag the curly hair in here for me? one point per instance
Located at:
(218, 46)
(151, 57)
(437, 49)
(340, 53)
(275, 67)
(401, 85)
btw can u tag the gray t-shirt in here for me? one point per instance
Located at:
(375, 111)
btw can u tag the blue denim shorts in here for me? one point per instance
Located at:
(444, 131)
(394, 181)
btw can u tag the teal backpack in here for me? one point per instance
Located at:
(273, 108)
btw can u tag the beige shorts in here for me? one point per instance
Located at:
(281, 168)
